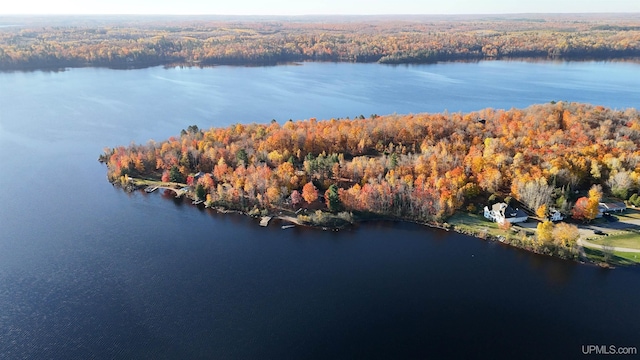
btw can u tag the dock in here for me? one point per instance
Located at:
(264, 221)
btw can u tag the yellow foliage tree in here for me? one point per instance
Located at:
(591, 211)
(275, 157)
(542, 211)
(273, 194)
(285, 171)
(595, 193)
(545, 232)
(565, 234)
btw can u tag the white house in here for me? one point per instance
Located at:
(556, 215)
(502, 212)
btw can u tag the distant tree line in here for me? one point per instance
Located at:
(270, 42)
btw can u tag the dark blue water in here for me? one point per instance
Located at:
(88, 271)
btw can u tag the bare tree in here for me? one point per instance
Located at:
(620, 184)
(535, 193)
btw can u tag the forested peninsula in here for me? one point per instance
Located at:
(429, 168)
(129, 42)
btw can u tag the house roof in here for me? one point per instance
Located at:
(613, 205)
(498, 207)
(510, 213)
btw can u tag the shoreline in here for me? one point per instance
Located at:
(241, 63)
(480, 234)
(439, 226)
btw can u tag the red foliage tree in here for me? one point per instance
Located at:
(585, 209)
(165, 176)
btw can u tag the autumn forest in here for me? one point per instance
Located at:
(140, 42)
(420, 167)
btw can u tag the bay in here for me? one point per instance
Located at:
(88, 271)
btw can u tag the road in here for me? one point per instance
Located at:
(587, 231)
(622, 223)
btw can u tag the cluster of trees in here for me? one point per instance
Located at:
(586, 207)
(416, 166)
(559, 239)
(397, 40)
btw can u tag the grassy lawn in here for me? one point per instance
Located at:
(149, 182)
(634, 257)
(627, 239)
(474, 223)
(142, 182)
(616, 259)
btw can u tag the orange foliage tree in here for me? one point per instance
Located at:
(309, 192)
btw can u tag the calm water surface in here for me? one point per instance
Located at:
(88, 271)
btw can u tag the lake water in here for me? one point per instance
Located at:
(88, 271)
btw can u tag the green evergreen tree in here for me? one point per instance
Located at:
(242, 157)
(332, 198)
(393, 161)
(175, 175)
(200, 192)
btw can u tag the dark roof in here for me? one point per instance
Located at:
(510, 213)
(613, 205)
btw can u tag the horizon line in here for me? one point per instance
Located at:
(327, 14)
